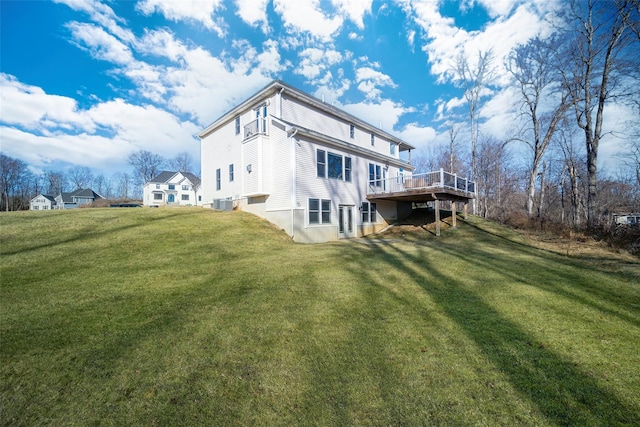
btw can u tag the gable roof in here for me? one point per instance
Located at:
(191, 177)
(80, 192)
(46, 196)
(166, 176)
(289, 90)
(163, 176)
(86, 193)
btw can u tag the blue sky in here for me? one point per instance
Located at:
(87, 82)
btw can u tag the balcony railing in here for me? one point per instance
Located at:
(257, 126)
(437, 180)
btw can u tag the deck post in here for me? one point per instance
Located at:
(453, 214)
(465, 209)
(437, 209)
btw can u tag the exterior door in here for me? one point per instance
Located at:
(171, 198)
(345, 224)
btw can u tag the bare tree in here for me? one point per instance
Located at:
(574, 168)
(533, 67)
(55, 182)
(474, 81)
(13, 173)
(100, 184)
(80, 176)
(124, 183)
(146, 165)
(493, 172)
(453, 152)
(592, 71)
(181, 163)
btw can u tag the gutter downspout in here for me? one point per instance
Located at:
(292, 166)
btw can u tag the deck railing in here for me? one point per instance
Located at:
(424, 181)
(257, 126)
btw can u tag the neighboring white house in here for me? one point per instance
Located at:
(42, 202)
(172, 189)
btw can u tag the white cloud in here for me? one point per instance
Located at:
(100, 44)
(201, 11)
(384, 114)
(417, 135)
(254, 13)
(30, 107)
(445, 41)
(302, 16)
(161, 43)
(370, 81)
(54, 129)
(40, 151)
(315, 61)
(354, 10)
(103, 15)
(497, 7)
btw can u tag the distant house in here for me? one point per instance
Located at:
(42, 202)
(172, 189)
(627, 219)
(72, 200)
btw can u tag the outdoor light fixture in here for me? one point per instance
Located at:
(249, 168)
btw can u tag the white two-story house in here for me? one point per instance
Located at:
(315, 171)
(172, 189)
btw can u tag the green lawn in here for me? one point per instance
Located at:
(189, 316)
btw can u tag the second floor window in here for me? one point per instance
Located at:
(238, 125)
(392, 148)
(321, 163)
(185, 188)
(334, 166)
(352, 131)
(172, 187)
(373, 139)
(375, 175)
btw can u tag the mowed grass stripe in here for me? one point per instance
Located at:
(189, 316)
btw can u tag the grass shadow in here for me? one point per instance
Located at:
(561, 391)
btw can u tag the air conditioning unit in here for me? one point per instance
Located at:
(222, 204)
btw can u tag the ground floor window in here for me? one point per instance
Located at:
(185, 197)
(218, 180)
(319, 211)
(157, 196)
(369, 212)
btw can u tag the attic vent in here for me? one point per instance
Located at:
(222, 205)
